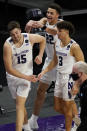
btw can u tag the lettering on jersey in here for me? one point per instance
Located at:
(27, 44)
(70, 85)
(60, 53)
(22, 52)
(49, 39)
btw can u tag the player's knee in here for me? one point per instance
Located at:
(68, 114)
(56, 108)
(41, 91)
(19, 106)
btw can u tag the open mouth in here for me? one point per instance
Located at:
(49, 18)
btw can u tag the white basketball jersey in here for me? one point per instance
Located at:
(65, 60)
(50, 40)
(22, 56)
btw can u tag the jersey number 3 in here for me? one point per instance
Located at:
(60, 61)
(21, 59)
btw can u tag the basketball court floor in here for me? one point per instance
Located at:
(54, 123)
(49, 120)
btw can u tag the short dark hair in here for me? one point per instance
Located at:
(66, 25)
(12, 25)
(56, 7)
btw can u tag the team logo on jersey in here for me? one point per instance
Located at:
(25, 35)
(10, 40)
(68, 47)
(26, 41)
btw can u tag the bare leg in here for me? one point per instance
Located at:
(58, 105)
(20, 103)
(25, 116)
(38, 104)
(74, 109)
(65, 108)
(68, 114)
(76, 118)
(40, 98)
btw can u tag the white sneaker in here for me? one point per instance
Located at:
(77, 121)
(33, 124)
(26, 128)
(74, 128)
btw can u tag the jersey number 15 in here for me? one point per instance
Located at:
(21, 59)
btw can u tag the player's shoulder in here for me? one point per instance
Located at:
(6, 46)
(35, 37)
(75, 47)
(8, 42)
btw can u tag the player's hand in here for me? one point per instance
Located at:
(32, 78)
(38, 60)
(75, 89)
(32, 24)
(29, 26)
(40, 75)
(37, 24)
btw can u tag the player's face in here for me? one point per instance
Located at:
(62, 34)
(16, 34)
(52, 15)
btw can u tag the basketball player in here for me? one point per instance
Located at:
(65, 55)
(18, 64)
(49, 24)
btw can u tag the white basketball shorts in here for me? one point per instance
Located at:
(49, 76)
(63, 86)
(18, 86)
